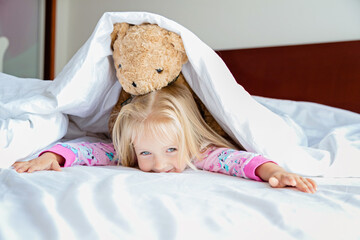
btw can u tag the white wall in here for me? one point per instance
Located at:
(221, 24)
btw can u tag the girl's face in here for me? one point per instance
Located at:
(156, 156)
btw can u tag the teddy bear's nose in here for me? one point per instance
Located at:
(134, 84)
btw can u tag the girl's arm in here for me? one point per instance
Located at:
(253, 166)
(70, 154)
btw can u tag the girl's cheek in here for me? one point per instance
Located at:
(144, 165)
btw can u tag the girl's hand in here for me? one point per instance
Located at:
(47, 161)
(279, 178)
(284, 179)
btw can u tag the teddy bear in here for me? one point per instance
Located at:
(148, 58)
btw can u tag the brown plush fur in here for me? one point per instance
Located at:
(148, 58)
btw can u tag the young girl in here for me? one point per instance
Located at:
(163, 131)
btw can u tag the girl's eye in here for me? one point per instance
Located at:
(145, 153)
(171, 149)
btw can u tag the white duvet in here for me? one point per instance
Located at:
(306, 138)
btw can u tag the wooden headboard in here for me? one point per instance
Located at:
(326, 73)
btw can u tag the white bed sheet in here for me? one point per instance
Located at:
(123, 203)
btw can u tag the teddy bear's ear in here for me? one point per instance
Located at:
(119, 31)
(176, 41)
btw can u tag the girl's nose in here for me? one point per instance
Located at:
(159, 165)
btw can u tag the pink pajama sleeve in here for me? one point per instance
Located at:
(85, 153)
(231, 162)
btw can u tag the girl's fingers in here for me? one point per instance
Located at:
(34, 168)
(18, 165)
(289, 180)
(30, 166)
(303, 184)
(15, 165)
(311, 185)
(22, 168)
(274, 182)
(306, 185)
(280, 181)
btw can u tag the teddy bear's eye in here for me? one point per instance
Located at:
(159, 70)
(119, 66)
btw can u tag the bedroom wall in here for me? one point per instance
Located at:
(225, 25)
(24, 37)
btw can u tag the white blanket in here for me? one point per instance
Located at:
(95, 203)
(306, 138)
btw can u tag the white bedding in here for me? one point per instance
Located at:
(123, 203)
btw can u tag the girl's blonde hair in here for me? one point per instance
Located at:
(167, 113)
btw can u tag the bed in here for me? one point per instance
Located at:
(307, 96)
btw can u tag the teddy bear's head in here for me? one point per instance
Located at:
(146, 57)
